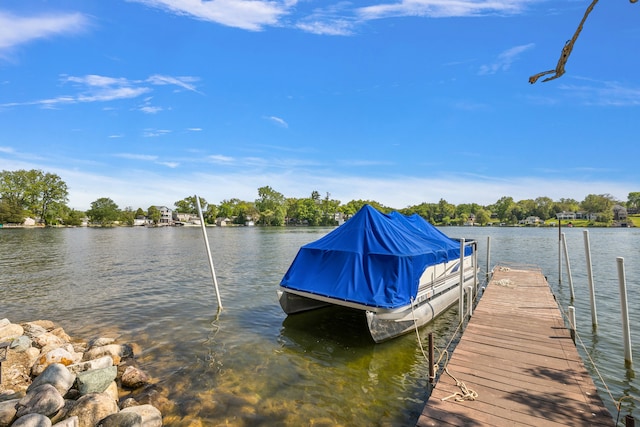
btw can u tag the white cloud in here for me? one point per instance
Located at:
(246, 14)
(505, 59)
(279, 121)
(439, 8)
(19, 30)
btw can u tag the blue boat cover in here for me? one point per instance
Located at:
(373, 259)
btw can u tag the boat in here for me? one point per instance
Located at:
(399, 270)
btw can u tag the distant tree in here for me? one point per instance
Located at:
(104, 211)
(482, 216)
(633, 200)
(210, 214)
(140, 213)
(271, 206)
(598, 203)
(567, 205)
(189, 205)
(503, 208)
(11, 212)
(153, 213)
(73, 217)
(128, 216)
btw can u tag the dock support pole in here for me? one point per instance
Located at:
(592, 292)
(488, 257)
(629, 421)
(568, 265)
(572, 322)
(461, 293)
(625, 313)
(559, 250)
(470, 301)
(206, 243)
(432, 374)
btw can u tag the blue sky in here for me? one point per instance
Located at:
(409, 101)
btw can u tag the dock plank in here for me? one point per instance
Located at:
(518, 356)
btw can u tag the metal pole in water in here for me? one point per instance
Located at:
(488, 257)
(432, 374)
(592, 292)
(572, 322)
(559, 250)
(566, 258)
(461, 292)
(206, 243)
(625, 312)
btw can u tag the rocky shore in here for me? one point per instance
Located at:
(50, 379)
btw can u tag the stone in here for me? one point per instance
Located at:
(43, 399)
(59, 355)
(32, 420)
(68, 422)
(99, 363)
(10, 332)
(91, 408)
(122, 419)
(97, 380)
(133, 378)
(7, 412)
(116, 351)
(151, 416)
(20, 344)
(57, 375)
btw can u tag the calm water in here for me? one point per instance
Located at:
(253, 366)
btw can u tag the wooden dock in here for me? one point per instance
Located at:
(518, 356)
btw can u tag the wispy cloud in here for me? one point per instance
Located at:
(152, 133)
(608, 93)
(505, 59)
(278, 121)
(130, 156)
(439, 8)
(251, 15)
(97, 88)
(19, 30)
(219, 158)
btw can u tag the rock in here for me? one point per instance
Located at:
(33, 330)
(133, 378)
(116, 351)
(58, 376)
(69, 422)
(97, 380)
(99, 363)
(43, 399)
(59, 355)
(122, 419)
(10, 332)
(22, 343)
(7, 412)
(49, 340)
(101, 342)
(151, 416)
(91, 408)
(32, 420)
(4, 322)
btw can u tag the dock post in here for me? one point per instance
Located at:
(432, 374)
(592, 292)
(470, 301)
(461, 293)
(568, 265)
(625, 313)
(488, 257)
(629, 421)
(572, 322)
(559, 251)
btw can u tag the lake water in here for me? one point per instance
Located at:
(251, 365)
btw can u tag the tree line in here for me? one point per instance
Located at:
(44, 196)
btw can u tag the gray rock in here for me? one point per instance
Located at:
(44, 400)
(57, 375)
(99, 363)
(116, 351)
(97, 380)
(10, 332)
(20, 344)
(32, 420)
(68, 422)
(91, 408)
(151, 416)
(122, 419)
(7, 412)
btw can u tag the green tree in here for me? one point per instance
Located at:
(153, 213)
(140, 213)
(11, 212)
(482, 216)
(633, 200)
(48, 189)
(600, 204)
(104, 211)
(190, 206)
(503, 208)
(271, 206)
(33, 191)
(127, 216)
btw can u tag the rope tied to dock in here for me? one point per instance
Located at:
(465, 394)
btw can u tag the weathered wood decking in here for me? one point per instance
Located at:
(517, 354)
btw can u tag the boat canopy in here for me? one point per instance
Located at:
(373, 259)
